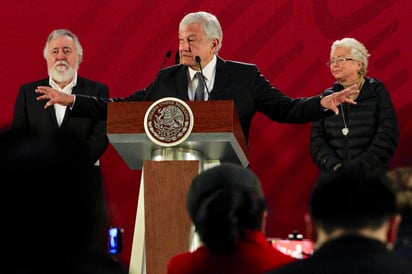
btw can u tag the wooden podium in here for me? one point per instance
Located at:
(162, 225)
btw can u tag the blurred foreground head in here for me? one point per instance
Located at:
(224, 202)
(356, 199)
(49, 205)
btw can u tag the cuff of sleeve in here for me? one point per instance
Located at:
(74, 100)
(320, 97)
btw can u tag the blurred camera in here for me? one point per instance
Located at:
(115, 242)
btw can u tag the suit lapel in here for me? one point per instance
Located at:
(182, 83)
(77, 89)
(221, 80)
(51, 112)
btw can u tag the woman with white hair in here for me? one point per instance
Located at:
(363, 132)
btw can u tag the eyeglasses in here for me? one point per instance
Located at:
(338, 60)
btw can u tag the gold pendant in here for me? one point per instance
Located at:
(345, 131)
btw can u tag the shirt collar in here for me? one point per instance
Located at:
(207, 70)
(67, 88)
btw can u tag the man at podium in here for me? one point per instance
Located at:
(201, 71)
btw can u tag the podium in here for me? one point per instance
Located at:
(162, 224)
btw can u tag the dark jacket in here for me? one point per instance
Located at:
(349, 255)
(373, 130)
(29, 114)
(243, 83)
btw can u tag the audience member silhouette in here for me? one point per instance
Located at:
(354, 220)
(53, 220)
(227, 207)
(401, 179)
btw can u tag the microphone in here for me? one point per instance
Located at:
(168, 54)
(197, 58)
(177, 57)
(156, 81)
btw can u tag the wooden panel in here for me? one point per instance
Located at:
(216, 132)
(167, 223)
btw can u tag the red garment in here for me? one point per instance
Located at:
(253, 255)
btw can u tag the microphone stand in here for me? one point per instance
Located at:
(197, 58)
(156, 81)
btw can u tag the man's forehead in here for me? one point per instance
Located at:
(193, 28)
(61, 42)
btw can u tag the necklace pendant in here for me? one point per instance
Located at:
(345, 131)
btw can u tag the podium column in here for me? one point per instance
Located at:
(164, 182)
(163, 227)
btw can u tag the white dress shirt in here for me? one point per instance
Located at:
(59, 109)
(209, 73)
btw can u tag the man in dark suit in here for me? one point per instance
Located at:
(200, 38)
(353, 220)
(63, 53)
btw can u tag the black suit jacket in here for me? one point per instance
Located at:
(243, 83)
(29, 114)
(373, 125)
(349, 255)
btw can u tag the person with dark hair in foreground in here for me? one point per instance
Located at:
(353, 219)
(401, 179)
(228, 209)
(53, 218)
(200, 39)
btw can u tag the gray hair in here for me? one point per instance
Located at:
(64, 32)
(211, 25)
(357, 50)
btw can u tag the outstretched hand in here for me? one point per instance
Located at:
(332, 101)
(54, 96)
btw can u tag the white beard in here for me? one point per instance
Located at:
(61, 74)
